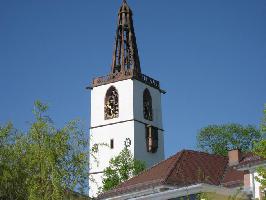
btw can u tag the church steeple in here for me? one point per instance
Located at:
(125, 55)
(125, 61)
(125, 107)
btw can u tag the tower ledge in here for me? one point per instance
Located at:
(124, 75)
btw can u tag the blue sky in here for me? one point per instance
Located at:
(209, 55)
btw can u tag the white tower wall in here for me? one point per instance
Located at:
(129, 124)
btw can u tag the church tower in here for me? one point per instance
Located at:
(125, 106)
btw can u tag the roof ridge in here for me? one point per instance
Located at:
(226, 168)
(206, 153)
(175, 163)
(159, 163)
(173, 166)
(151, 168)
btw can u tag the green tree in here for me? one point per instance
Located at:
(44, 162)
(260, 150)
(122, 168)
(12, 169)
(218, 139)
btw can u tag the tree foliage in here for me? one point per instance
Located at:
(12, 175)
(218, 139)
(122, 168)
(260, 150)
(44, 162)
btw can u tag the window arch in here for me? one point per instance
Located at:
(147, 105)
(111, 103)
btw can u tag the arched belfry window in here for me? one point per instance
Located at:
(147, 105)
(111, 104)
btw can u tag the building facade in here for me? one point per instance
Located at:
(125, 107)
(193, 175)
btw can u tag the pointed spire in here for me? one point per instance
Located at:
(125, 62)
(125, 55)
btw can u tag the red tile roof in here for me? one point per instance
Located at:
(232, 178)
(183, 169)
(249, 159)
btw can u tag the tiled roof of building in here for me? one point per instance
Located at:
(183, 169)
(249, 159)
(232, 178)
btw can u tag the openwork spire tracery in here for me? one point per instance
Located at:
(125, 55)
(125, 61)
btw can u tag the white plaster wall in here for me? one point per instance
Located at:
(118, 132)
(104, 130)
(130, 109)
(139, 88)
(125, 93)
(95, 184)
(257, 187)
(140, 149)
(255, 183)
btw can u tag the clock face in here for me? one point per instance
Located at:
(127, 142)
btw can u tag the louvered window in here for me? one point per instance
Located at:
(151, 139)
